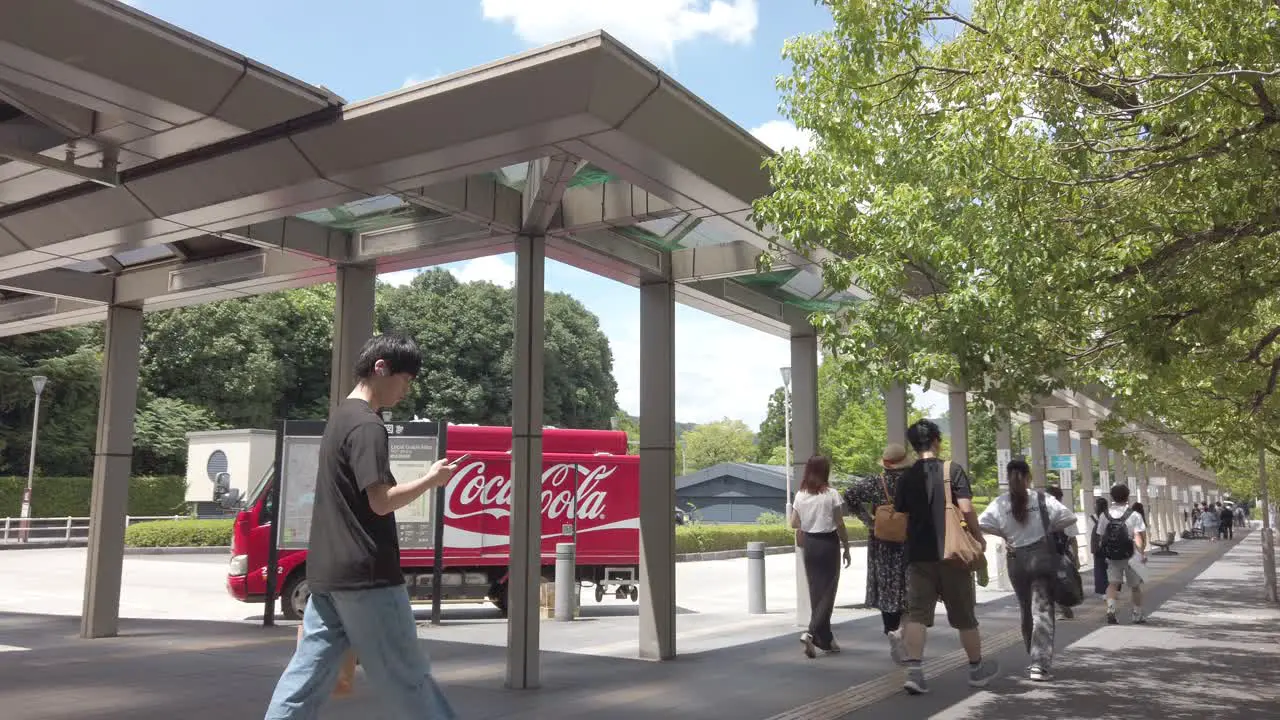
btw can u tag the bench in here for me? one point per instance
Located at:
(1164, 546)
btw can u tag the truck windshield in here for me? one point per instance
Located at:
(261, 486)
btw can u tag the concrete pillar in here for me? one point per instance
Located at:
(1004, 448)
(112, 464)
(958, 405)
(804, 434)
(1140, 480)
(525, 571)
(352, 326)
(1104, 472)
(895, 413)
(1066, 480)
(657, 471)
(1086, 470)
(1038, 463)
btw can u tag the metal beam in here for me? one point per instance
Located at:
(547, 182)
(290, 233)
(63, 283)
(714, 262)
(105, 175)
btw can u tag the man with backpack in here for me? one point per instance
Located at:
(1122, 535)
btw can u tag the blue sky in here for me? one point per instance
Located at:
(726, 51)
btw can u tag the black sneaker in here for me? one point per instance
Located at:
(1111, 618)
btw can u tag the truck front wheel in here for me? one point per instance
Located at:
(293, 600)
(498, 596)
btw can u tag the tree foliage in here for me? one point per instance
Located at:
(467, 334)
(1045, 194)
(244, 362)
(718, 442)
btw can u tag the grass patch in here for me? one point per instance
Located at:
(179, 533)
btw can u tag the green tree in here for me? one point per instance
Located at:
(773, 428)
(246, 360)
(718, 442)
(160, 435)
(1042, 195)
(71, 360)
(467, 332)
(982, 445)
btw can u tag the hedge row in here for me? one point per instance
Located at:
(179, 533)
(699, 537)
(70, 496)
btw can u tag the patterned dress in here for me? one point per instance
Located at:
(886, 562)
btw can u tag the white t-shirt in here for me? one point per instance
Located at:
(1135, 523)
(817, 511)
(998, 519)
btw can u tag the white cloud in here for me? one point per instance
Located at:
(412, 80)
(493, 268)
(723, 369)
(652, 28)
(781, 135)
(399, 278)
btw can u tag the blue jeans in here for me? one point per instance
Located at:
(379, 624)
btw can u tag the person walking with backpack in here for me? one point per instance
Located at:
(1028, 521)
(1122, 539)
(928, 493)
(818, 516)
(871, 501)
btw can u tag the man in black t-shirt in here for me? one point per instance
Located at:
(922, 495)
(358, 597)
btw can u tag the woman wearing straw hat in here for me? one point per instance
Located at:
(886, 561)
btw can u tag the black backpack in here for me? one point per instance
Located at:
(1117, 543)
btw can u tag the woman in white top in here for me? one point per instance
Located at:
(818, 517)
(1015, 516)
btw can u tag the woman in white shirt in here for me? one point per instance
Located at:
(818, 517)
(1015, 516)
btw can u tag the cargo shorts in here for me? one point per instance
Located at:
(927, 582)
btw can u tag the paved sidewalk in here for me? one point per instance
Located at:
(1211, 650)
(215, 670)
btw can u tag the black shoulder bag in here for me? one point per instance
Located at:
(1068, 589)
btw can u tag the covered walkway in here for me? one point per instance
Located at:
(1210, 639)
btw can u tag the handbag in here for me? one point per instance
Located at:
(1064, 576)
(890, 525)
(959, 546)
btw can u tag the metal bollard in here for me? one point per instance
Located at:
(566, 581)
(755, 578)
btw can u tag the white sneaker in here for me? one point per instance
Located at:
(807, 640)
(896, 648)
(835, 647)
(1038, 674)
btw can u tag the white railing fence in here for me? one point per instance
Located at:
(61, 530)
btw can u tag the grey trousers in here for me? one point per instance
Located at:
(822, 569)
(1035, 600)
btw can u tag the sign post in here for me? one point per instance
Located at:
(1003, 457)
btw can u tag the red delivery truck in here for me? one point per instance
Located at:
(590, 496)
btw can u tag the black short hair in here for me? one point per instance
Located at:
(398, 351)
(1120, 493)
(923, 434)
(1055, 491)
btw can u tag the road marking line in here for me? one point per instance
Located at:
(838, 705)
(13, 648)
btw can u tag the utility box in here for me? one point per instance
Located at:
(245, 455)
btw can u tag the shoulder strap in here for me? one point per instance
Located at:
(946, 483)
(885, 487)
(1127, 512)
(1044, 512)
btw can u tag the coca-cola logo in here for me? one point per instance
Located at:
(474, 492)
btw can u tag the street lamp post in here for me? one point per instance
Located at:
(786, 431)
(37, 382)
